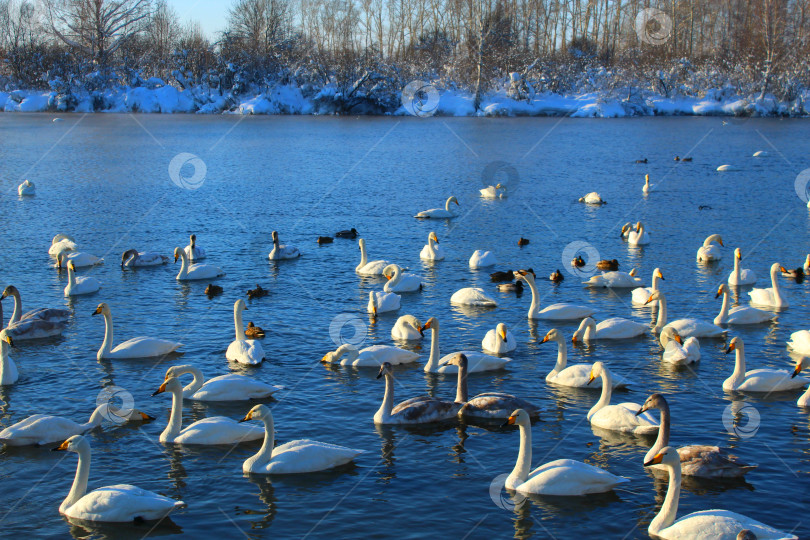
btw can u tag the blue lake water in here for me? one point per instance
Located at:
(104, 179)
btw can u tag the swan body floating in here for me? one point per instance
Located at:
(638, 237)
(497, 191)
(555, 312)
(624, 417)
(758, 380)
(613, 328)
(476, 361)
(380, 302)
(193, 272)
(439, 213)
(41, 429)
(802, 363)
(228, 387)
(578, 375)
(772, 296)
(741, 276)
(676, 350)
(366, 268)
(294, 457)
(696, 460)
(211, 430)
(704, 525)
(800, 342)
(8, 369)
(592, 198)
(78, 286)
(400, 282)
(193, 251)
(418, 410)
(61, 242)
(133, 258)
(139, 347)
(725, 168)
(242, 350)
(738, 314)
(640, 295)
(79, 260)
(281, 251)
(36, 324)
(472, 296)
(432, 251)
(482, 259)
(562, 477)
(647, 187)
(120, 503)
(614, 280)
(373, 356)
(686, 327)
(407, 328)
(710, 250)
(499, 340)
(489, 405)
(27, 188)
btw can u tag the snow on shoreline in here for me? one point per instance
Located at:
(289, 100)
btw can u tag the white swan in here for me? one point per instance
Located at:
(614, 280)
(638, 237)
(497, 191)
(280, 251)
(622, 417)
(482, 259)
(61, 242)
(578, 375)
(761, 153)
(244, 351)
(802, 363)
(211, 430)
(78, 286)
(710, 251)
(640, 296)
(193, 251)
(366, 268)
(489, 405)
(626, 229)
(8, 369)
(192, 272)
(440, 213)
(738, 314)
(139, 347)
(758, 380)
(26, 188)
(432, 251)
(36, 324)
(704, 525)
(726, 168)
(499, 340)
(613, 328)
(120, 503)
(294, 457)
(418, 410)
(472, 296)
(399, 281)
(647, 187)
(686, 327)
(407, 328)
(556, 312)
(565, 477)
(132, 258)
(772, 296)
(741, 276)
(800, 342)
(676, 350)
(373, 356)
(696, 460)
(592, 198)
(41, 429)
(477, 361)
(228, 387)
(380, 302)
(79, 260)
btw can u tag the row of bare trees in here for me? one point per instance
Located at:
(466, 42)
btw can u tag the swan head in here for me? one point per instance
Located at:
(527, 275)
(334, 356)
(738, 254)
(124, 256)
(76, 443)
(655, 401)
(598, 369)
(734, 344)
(172, 384)
(102, 309)
(714, 238)
(639, 226)
(177, 252)
(11, 290)
(239, 305)
(646, 178)
(176, 371)
(391, 269)
(552, 335)
(59, 258)
(632, 272)
(627, 227)
(432, 323)
(802, 362)
(59, 237)
(274, 235)
(413, 321)
(586, 322)
(668, 333)
(259, 412)
(654, 296)
(745, 534)
(361, 243)
(432, 236)
(71, 266)
(453, 200)
(518, 417)
(657, 273)
(721, 290)
(500, 329)
(667, 455)
(385, 369)
(6, 338)
(193, 240)
(459, 359)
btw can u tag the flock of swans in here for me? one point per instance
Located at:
(679, 340)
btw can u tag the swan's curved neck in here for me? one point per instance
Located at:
(669, 510)
(363, 257)
(562, 356)
(265, 453)
(607, 392)
(534, 308)
(661, 320)
(196, 384)
(71, 276)
(5, 361)
(655, 280)
(524, 460)
(774, 283)
(95, 418)
(433, 359)
(175, 418)
(722, 317)
(388, 399)
(238, 324)
(663, 432)
(16, 314)
(447, 204)
(79, 487)
(106, 345)
(461, 387)
(737, 269)
(739, 365)
(183, 264)
(395, 279)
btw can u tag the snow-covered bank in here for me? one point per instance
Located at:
(165, 99)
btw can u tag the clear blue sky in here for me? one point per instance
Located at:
(210, 14)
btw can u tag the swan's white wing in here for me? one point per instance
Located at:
(144, 347)
(719, 525)
(619, 328)
(748, 315)
(376, 355)
(233, 387)
(203, 271)
(422, 411)
(697, 328)
(622, 417)
(472, 296)
(800, 341)
(770, 380)
(476, 362)
(496, 405)
(52, 315)
(304, 456)
(122, 503)
(711, 462)
(373, 268)
(567, 477)
(245, 351)
(219, 430)
(39, 429)
(577, 376)
(34, 329)
(564, 312)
